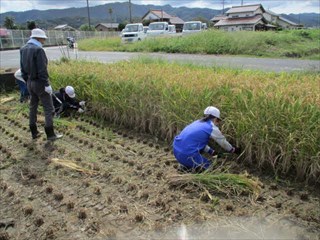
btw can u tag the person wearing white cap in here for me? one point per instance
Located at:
(33, 65)
(193, 141)
(65, 99)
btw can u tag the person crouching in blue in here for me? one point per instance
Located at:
(193, 141)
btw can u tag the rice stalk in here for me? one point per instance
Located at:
(275, 118)
(70, 164)
(226, 183)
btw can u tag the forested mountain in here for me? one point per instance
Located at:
(75, 17)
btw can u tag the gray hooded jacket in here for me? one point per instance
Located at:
(33, 63)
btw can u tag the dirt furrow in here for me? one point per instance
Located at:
(104, 182)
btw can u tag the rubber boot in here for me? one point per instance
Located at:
(34, 131)
(51, 136)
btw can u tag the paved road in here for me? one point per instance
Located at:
(10, 59)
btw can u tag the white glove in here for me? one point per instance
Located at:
(80, 110)
(82, 103)
(48, 89)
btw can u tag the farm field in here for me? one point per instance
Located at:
(101, 181)
(274, 117)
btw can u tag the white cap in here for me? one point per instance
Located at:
(38, 33)
(70, 91)
(212, 111)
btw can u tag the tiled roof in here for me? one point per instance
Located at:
(238, 21)
(61, 26)
(247, 8)
(288, 21)
(272, 13)
(176, 20)
(160, 14)
(218, 18)
(109, 25)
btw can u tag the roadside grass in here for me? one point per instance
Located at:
(282, 44)
(274, 117)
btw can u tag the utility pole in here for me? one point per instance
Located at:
(241, 2)
(222, 7)
(88, 14)
(130, 17)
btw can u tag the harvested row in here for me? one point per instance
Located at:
(105, 182)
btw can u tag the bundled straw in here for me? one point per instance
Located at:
(72, 165)
(226, 183)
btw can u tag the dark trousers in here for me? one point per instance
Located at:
(37, 92)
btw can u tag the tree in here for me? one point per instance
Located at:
(85, 27)
(122, 25)
(9, 23)
(21, 27)
(146, 22)
(110, 13)
(31, 25)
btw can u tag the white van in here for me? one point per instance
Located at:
(172, 29)
(158, 28)
(192, 27)
(145, 29)
(133, 32)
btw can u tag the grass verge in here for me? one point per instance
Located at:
(283, 44)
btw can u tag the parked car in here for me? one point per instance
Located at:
(4, 33)
(192, 27)
(172, 29)
(157, 29)
(133, 32)
(204, 26)
(145, 29)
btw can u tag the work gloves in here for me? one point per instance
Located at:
(80, 110)
(215, 153)
(82, 103)
(48, 89)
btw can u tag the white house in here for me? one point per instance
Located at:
(280, 21)
(251, 18)
(107, 27)
(162, 16)
(64, 27)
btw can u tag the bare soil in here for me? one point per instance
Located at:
(103, 182)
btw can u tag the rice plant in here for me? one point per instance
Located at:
(274, 117)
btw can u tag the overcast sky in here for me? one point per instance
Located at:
(277, 6)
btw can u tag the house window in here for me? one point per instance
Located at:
(235, 16)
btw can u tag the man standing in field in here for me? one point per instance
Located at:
(193, 141)
(33, 65)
